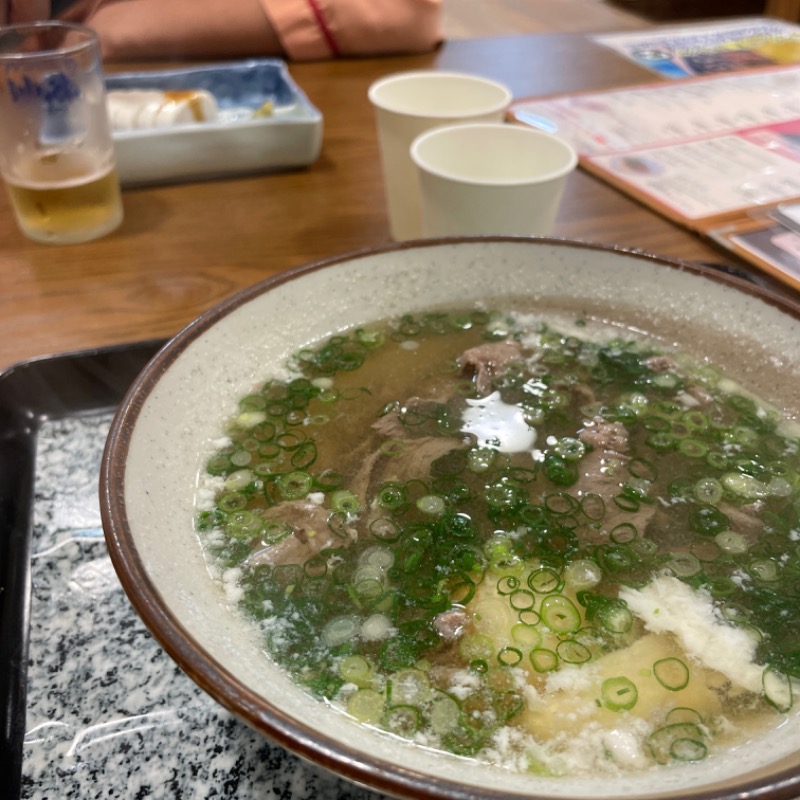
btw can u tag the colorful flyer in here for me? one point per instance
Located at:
(709, 48)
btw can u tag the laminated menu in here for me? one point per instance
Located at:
(718, 154)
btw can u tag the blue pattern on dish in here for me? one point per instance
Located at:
(241, 83)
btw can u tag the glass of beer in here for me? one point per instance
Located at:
(56, 150)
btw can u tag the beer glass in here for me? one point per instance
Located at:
(56, 150)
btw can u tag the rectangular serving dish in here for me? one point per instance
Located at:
(291, 137)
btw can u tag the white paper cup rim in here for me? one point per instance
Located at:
(377, 89)
(509, 130)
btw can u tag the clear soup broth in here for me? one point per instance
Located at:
(539, 543)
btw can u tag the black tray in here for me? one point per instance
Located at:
(30, 393)
(195, 748)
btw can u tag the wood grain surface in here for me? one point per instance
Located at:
(183, 248)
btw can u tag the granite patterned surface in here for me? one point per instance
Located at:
(109, 714)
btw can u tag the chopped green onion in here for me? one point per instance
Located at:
(369, 338)
(391, 496)
(617, 558)
(623, 533)
(340, 630)
(368, 590)
(526, 636)
(377, 556)
(683, 714)
(316, 566)
(507, 584)
(560, 614)
(543, 660)
(569, 448)
(615, 616)
(560, 503)
(409, 687)
(660, 441)
(688, 749)
(509, 656)
(403, 720)
(626, 502)
(431, 504)
(366, 705)
(252, 402)
(708, 491)
(695, 420)
(241, 458)
(559, 470)
(744, 485)
(328, 480)
(357, 670)
(661, 741)
(582, 574)
(593, 506)
(295, 485)
(708, 520)
(476, 646)
(571, 651)
(239, 480)
(243, 524)
(684, 565)
(522, 600)
(445, 714)
(544, 581)
(763, 569)
(692, 448)
(480, 459)
(273, 532)
(619, 694)
(671, 673)
(529, 617)
(732, 542)
(235, 501)
(343, 500)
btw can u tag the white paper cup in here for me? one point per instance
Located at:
(409, 103)
(481, 179)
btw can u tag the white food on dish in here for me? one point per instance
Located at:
(139, 109)
(132, 109)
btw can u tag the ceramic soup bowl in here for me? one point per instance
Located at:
(162, 431)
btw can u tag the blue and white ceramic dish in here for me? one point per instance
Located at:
(236, 143)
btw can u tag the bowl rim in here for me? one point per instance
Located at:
(302, 739)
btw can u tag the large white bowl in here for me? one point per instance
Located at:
(178, 403)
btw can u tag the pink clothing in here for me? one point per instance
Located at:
(297, 29)
(315, 29)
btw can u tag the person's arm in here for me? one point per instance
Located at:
(315, 29)
(297, 29)
(179, 29)
(23, 10)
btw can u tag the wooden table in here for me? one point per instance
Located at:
(183, 248)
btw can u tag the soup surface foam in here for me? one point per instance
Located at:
(545, 545)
